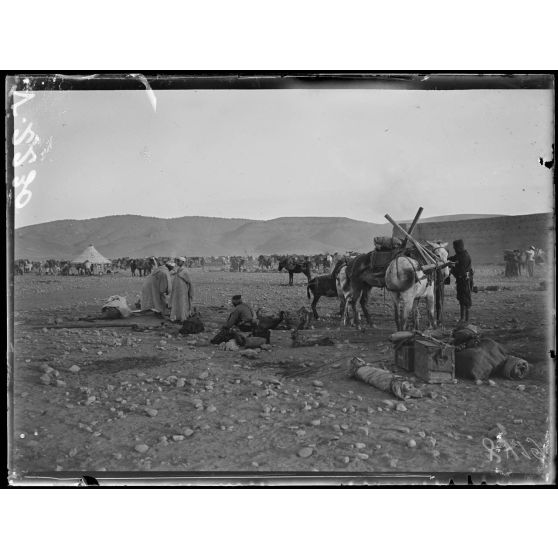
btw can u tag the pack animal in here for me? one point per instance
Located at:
(408, 283)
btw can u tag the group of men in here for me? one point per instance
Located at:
(168, 287)
(515, 259)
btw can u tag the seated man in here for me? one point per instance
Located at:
(242, 316)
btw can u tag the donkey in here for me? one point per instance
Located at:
(407, 284)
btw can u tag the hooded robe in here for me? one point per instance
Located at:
(182, 295)
(155, 288)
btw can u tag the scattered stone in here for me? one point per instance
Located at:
(363, 456)
(152, 412)
(45, 368)
(491, 383)
(317, 383)
(211, 409)
(400, 407)
(305, 452)
(518, 421)
(187, 432)
(178, 438)
(60, 383)
(431, 441)
(403, 429)
(198, 403)
(141, 448)
(74, 368)
(203, 375)
(90, 399)
(411, 443)
(316, 422)
(478, 382)
(389, 403)
(344, 427)
(360, 445)
(180, 383)
(422, 434)
(521, 387)
(45, 379)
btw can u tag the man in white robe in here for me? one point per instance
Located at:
(182, 293)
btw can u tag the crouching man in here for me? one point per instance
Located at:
(242, 318)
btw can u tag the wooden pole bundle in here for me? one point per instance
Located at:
(421, 250)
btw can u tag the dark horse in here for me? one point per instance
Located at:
(355, 277)
(293, 266)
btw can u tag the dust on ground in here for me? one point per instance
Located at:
(147, 399)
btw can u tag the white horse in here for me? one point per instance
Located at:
(407, 284)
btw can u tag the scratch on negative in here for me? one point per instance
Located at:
(150, 92)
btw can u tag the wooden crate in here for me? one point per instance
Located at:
(405, 356)
(434, 363)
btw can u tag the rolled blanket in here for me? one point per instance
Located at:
(513, 368)
(116, 304)
(382, 379)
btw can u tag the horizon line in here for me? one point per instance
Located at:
(494, 215)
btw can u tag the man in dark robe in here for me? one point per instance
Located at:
(462, 270)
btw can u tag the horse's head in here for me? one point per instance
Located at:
(439, 249)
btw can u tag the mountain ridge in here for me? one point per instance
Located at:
(141, 236)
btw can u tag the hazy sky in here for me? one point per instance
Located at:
(262, 154)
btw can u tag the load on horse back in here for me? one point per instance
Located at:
(356, 274)
(295, 265)
(408, 281)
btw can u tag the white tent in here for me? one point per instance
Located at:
(90, 254)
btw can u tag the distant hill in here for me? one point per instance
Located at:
(137, 236)
(457, 217)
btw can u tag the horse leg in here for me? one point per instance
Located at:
(364, 306)
(396, 311)
(407, 301)
(314, 303)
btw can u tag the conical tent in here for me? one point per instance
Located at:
(90, 254)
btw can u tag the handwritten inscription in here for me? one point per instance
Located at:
(27, 140)
(514, 449)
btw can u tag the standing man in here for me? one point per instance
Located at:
(157, 288)
(462, 270)
(182, 293)
(530, 260)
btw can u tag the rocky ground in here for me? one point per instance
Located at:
(147, 399)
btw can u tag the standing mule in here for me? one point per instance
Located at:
(407, 284)
(293, 266)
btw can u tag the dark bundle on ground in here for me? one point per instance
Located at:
(226, 334)
(193, 324)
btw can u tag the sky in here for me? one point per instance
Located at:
(263, 154)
